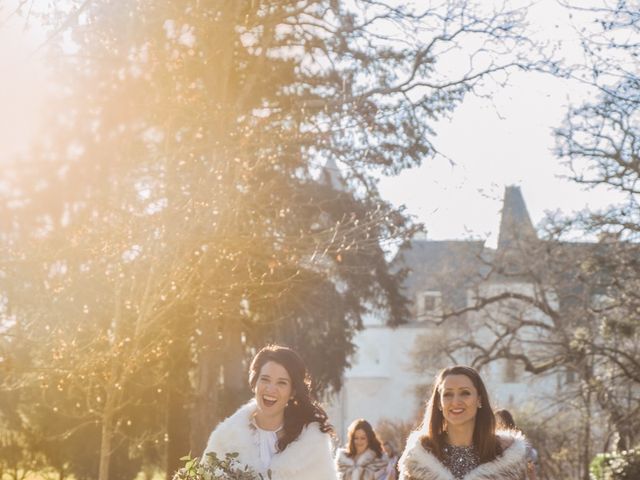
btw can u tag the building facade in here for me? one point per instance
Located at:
(394, 368)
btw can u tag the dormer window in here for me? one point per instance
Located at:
(428, 305)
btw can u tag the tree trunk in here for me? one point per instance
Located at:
(106, 438)
(205, 413)
(235, 375)
(587, 438)
(178, 425)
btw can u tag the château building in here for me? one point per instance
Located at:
(393, 368)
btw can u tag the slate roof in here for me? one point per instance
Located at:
(331, 175)
(515, 223)
(448, 266)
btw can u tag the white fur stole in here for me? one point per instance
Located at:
(417, 463)
(308, 457)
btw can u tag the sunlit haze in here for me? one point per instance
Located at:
(22, 85)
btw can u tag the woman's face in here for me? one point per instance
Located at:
(360, 441)
(459, 400)
(273, 389)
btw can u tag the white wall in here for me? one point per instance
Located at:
(381, 383)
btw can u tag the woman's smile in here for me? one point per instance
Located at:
(459, 399)
(273, 390)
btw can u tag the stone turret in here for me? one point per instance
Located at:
(515, 224)
(331, 175)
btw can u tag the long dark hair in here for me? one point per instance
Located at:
(372, 438)
(485, 441)
(301, 410)
(504, 420)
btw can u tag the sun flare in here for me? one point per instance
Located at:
(22, 88)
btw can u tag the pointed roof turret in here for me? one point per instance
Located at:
(331, 175)
(515, 223)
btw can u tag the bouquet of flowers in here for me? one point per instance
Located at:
(213, 468)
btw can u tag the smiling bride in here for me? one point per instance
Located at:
(281, 431)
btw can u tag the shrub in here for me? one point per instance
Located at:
(624, 465)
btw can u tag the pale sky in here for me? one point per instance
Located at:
(507, 140)
(489, 152)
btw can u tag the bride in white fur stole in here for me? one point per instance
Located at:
(281, 430)
(362, 458)
(458, 438)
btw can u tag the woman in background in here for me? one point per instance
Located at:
(391, 472)
(458, 439)
(362, 458)
(505, 421)
(281, 430)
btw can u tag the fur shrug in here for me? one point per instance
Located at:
(417, 463)
(308, 457)
(364, 467)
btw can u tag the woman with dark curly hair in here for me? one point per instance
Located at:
(281, 430)
(362, 458)
(458, 438)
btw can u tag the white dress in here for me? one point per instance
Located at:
(308, 457)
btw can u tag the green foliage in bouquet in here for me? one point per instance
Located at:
(623, 465)
(214, 468)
